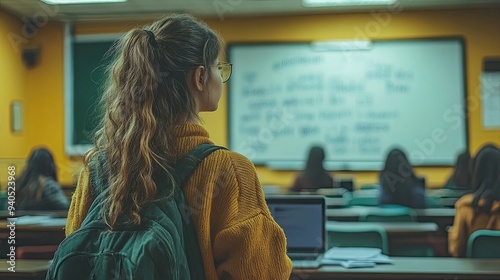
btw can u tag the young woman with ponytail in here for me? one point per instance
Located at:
(163, 76)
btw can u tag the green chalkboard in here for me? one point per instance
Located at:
(90, 60)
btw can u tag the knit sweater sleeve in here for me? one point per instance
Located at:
(251, 245)
(80, 202)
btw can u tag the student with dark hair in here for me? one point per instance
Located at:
(472, 163)
(480, 209)
(461, 177)
(37, 188)
(398, 183)
(163, 76)
(314, 175)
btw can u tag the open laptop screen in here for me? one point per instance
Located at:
(302, 219)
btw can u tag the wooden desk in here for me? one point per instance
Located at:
(441, 216)
(25, 269)
(401, 235)
(4, 214)
(410, 268)
(393, 229)
(31, 235)
(403, 268)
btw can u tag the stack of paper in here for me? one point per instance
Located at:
(351, 257)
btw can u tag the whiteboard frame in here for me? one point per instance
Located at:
(343, 165)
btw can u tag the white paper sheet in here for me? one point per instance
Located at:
(355, 257)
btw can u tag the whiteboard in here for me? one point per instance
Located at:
(357, 100)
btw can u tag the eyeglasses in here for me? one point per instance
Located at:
(225, 70)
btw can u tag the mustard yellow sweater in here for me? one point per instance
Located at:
(466, 222)
(238, 237)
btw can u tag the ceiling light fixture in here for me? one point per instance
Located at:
(69, 2)
(326, 3)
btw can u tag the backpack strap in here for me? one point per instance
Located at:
(188, 164)
(182, 171)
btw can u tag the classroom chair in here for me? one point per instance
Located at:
(484, 243)
(413, 250)
(373, 236)
(433, 202)
(393, 213)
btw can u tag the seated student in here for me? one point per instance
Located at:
(460, 178)
(398, 183)
(472, 163)
(314, 175)
(481, 209)
(37, 188)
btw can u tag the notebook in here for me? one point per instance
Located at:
(302, 218)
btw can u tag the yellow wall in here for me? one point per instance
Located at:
(40, 89)
(45, 107)
(478, 27)
(13, 78)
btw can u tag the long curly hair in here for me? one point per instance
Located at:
(145, 95)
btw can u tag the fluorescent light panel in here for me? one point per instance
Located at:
(326, 3)
(341, 45)
(69, 2)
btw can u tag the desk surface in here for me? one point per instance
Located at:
(391, 228)
(46, 231)
(403, 268)
(4, 214)
(53, 225)
(411, 268)
(353, 213)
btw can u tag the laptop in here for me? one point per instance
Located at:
(302, 218)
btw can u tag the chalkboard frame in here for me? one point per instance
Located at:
(298, 165)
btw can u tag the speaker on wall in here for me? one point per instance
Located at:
(31, 56)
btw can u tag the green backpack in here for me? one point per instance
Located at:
(164, 246)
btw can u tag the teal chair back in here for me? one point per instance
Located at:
(389, 214)
(484, 243)
(372, 236)
(433, 202)
(363, 201)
